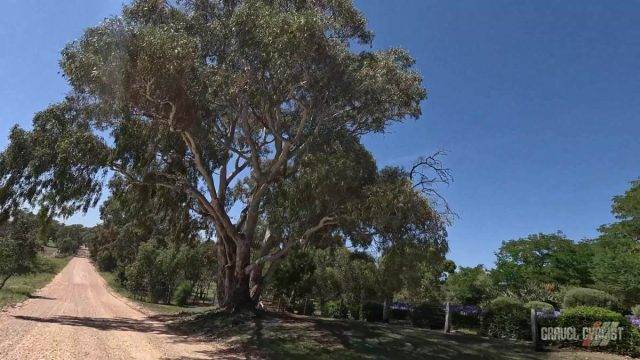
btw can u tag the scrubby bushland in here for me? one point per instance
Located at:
(589, 316)
(157, 271)
(506, 318)
(590, 297)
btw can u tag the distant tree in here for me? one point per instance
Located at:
(18, 248)
(541, 260)
(201, 96)
(616, 252)
(470, 286)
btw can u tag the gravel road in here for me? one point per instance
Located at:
(76, 316)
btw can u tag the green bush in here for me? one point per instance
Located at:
(355, 310)
(539, 306)
(428, 315)
(636, 310)
(106, 261)
(182, 293)
(459, 320)
(506, 318)
(157, 270)
(372, 311)
(335, 309)
(586, 316)
(590, 297)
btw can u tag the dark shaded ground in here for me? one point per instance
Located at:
(276, 336)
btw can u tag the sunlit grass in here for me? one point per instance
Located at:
(19, 288)
(164, 309)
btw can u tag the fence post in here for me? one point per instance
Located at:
(534, 330)
(447, 319)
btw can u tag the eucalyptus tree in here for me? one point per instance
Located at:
(221, 100)
(616, 252)
(18, 248)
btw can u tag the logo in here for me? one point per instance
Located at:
(600, 334)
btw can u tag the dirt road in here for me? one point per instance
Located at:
(77, 317)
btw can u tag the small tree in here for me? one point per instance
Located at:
(470, 286)
(17, 249)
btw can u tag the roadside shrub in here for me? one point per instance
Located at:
(355, 310)
(157, 271)
(106, 261)
(539, 306)
(460, 320)
(590, 297)
(372, 311)
(587, 316)
(428, 315)
(182, 293)
(335, 309)
(506, 318)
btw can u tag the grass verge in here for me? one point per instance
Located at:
(278, 336)
(160, 309)
(20, 288)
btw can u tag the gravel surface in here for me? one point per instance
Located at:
(76, 316)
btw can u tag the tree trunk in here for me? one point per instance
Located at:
(386, 310)
(233, 282)
(4, 280)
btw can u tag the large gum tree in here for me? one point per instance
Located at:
(232, 103)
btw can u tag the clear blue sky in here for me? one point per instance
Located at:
(537, 103)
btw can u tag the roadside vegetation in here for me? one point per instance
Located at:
(22, 287)
(27, 262)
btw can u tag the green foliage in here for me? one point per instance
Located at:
(18, 249)
(20, 287)
(428, 315)
(635, 310)
(506, 318)
(157, 271)
(616, 262)
(587, 317)
(590, 297)
(182, 293)
(470, 286)
(539, 306)
(240, 97)
(106, 261)
(335, 309)
(532, 268)
(372, 311)
(465, 321)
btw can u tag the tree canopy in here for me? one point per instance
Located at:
(250, 112)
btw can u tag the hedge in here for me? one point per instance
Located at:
(590, 297)
(428, 315)
(587, 316)
(506, 318)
